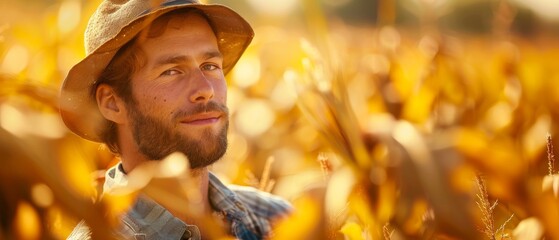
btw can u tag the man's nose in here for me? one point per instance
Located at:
(202, 88)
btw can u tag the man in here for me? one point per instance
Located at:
(153, 83)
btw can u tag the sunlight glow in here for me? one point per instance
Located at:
(42, 195)
(173, 165)
(39, 124)
(247, 71)
(339, 190)
(283, 97)
(273, 7)
(240, 149)
(499, 116)
(47, 125)
(546, 8)
(69, 15)
(27, 222)
(254, 117)
(12, 120)
(533, 142)
(15, 60)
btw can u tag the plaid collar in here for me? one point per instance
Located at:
(247, 211)
(244, 224)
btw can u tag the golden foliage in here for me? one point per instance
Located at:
(401, 122)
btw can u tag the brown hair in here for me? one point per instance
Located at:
(117, 75)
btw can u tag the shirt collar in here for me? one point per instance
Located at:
(222, 199)
(114, 178)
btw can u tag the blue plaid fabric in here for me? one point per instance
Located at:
(247, 211)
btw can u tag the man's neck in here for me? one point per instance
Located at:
(196, 191)
(198, 179)
(129, 153)
(198, 202)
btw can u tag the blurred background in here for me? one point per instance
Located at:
(388, 119)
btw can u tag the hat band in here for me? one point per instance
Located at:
(169, 3)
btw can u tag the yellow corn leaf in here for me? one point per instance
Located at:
(352, 231)
(27, 222)
(551, 183)
(117, 204)
(302, 223)
(360, 206)
(418, 107)
(414, 222)
(77, 169)
(529, 229)
(533, 141)
(60, 222)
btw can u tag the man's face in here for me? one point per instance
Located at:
(179, 94)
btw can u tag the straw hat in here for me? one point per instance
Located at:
(115, 23)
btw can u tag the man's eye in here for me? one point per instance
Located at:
(210, 67)
(170, 72)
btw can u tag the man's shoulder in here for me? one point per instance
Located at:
(259, 203)
(262, 203)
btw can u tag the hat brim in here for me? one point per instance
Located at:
(79, 109)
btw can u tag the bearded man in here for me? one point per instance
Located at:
(152, 84)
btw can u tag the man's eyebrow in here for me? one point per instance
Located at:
(175, 59)
(213, 54)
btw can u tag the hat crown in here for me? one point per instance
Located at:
(114, 15)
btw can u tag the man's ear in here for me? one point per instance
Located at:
(110, 105)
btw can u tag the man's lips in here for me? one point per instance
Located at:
(202, 118)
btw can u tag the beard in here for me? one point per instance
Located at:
(156, 139)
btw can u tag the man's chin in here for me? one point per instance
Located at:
(205, 152)
(197, 163)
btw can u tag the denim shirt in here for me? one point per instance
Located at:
(247, 211)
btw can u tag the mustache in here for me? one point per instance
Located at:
(211, 106)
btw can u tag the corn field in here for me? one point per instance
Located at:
(397, 128)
